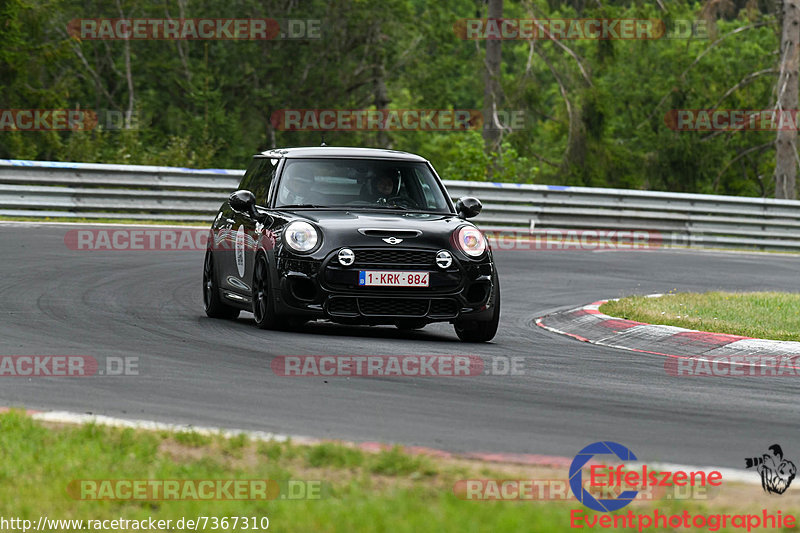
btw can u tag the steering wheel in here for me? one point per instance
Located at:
(402, 201)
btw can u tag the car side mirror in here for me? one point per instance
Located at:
(243, 201)
(468, 207)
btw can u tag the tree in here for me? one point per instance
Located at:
(785, 144)
(491, 89)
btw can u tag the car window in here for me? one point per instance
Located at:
(430, 195)
(257, 178)
(426, 191)
(336, 185)
(247, 179)
(360, 182)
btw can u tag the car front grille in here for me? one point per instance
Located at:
(352, 306)
(399, 258)
(343, 306)
(393, 306)
(337, 277)
(443, 307)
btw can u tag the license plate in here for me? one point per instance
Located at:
(384, 278)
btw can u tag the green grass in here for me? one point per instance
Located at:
(334, 455)
(192, 438)
(763, 315)
(385, 491)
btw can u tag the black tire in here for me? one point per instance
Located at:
(474, 331)
(263, 304)
(410, 324)
(212, 303)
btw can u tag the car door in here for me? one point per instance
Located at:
(245, 230)
(232, 230)
(225, 237)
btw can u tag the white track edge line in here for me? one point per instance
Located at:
(66, 417)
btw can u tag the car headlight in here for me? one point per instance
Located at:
(301, 236)
(471, 241)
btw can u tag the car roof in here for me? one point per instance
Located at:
(340, 151)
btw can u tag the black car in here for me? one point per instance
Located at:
(351, 235)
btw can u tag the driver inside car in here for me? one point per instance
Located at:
(384, 186)
(381, 188)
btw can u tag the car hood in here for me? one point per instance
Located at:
(369, 228)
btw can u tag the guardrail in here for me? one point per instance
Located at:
(44, 189)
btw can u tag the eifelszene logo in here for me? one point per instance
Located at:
(610, 480)
(776, 472)
(576, 479)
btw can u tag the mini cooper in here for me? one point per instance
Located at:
(354, 236)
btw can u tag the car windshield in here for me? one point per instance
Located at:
(360, 183)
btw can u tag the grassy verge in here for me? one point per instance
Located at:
(763, 315)
(385, 491)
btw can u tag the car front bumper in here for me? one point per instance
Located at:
(314, 289)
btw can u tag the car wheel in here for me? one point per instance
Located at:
(474, 331)
(213, 304)
(410, 324)
(263, 304)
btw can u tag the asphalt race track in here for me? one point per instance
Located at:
(193, 369)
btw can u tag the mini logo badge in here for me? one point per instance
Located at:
(392, 240)
(776, 472)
